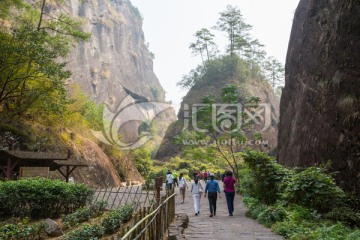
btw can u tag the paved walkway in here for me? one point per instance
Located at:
(221, 226)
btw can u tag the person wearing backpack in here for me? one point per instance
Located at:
(196, 190)
(182, 186)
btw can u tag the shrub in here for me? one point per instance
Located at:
(256, 210)
(41, 198)
(113, 221)
(267, 176)
(313, 188)
(21, 231)
(85, 213)
(271, 215)
(183, 165)
(86, 232)
(290, 228)
(344, 214)
(80, 215)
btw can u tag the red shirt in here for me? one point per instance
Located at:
(230, 184)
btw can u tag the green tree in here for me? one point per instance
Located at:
(141, 158)
(254, 53)
(32, 76)
(190, 79)
(204, 44)
(275, 72)
(220, 128)
(232, 22)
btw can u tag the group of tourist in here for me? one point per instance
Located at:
(205, 175)
(212, 190)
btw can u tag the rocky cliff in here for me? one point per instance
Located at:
(320, 105)
(116, 60)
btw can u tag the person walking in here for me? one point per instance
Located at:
(182, 186)
(205, 176)
(212, 186)
(229, 186)
(169, 180)
(196, 190)
(218, 176)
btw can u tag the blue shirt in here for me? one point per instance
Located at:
(212, 186)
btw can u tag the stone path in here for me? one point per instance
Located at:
(221, 226)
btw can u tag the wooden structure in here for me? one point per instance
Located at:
(12, 160)
(151, 222)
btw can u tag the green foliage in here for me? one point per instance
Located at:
(275, 72)
(267, 176)
(109, 225)
(113, 221)
(302, 203)
(313, 188)
(41, 198)
(271, 215)
(31, 72)
(344, 214)
(83, 214)
(81, 111)
(232, 22)
(184, 165)
(142, 159)
(204, 44)
(86, 232)
(22, 231)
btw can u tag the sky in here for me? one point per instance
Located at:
(169, 27)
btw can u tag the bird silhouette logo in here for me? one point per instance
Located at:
(130, 109)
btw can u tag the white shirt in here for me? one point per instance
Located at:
(169, 178)
(195, 188)
(182, 182)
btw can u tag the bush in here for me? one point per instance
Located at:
(314, 189)
(267, 175)
(183, 165)
(85, 213)
(79, 216)
(21, 231)
(271, 215)
(112, 222)
(344, 214)
(41, 198)
(86, 232)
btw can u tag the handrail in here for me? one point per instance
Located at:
(149, 215)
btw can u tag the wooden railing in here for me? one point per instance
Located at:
(117, 197)
(151, 222)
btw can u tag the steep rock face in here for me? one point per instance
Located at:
(320, 105)
(115, 57)
(251, 88)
